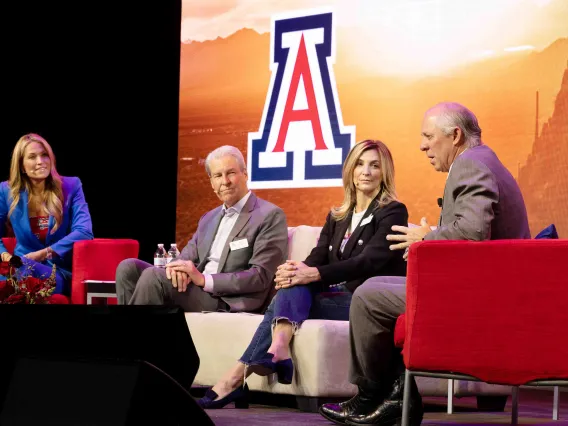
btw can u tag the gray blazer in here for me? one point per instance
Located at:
(482, 200)
(245, 275)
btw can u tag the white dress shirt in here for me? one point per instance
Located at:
(230, 216)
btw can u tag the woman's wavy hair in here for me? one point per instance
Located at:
(52, 197)
(387, 190)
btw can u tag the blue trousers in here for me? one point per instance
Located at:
(297, 304)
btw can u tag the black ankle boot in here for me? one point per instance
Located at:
(390, 411)
(364, 402)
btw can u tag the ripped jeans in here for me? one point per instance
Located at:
(296, 304)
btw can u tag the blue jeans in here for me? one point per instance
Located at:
(40, 270)
(297, 304)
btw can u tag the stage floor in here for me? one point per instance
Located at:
(535, 408)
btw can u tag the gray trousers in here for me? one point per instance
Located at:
(375, 307)
(139, 283)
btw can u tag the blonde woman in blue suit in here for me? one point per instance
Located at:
(48, 212)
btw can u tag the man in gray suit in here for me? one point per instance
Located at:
(229, 263)
(482, 201)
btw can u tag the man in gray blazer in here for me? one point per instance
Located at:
(229, 263)
(482, 201)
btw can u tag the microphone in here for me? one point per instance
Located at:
(440, 202)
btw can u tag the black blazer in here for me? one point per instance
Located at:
(366, 253)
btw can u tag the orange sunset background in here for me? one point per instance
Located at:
(394, 59)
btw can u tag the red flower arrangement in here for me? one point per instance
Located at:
(27, 289)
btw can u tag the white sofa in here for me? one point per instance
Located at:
(320, 351)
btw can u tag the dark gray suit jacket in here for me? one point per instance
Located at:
(482, 200)
(245, 275)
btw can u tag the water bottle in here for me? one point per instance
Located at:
(160, 256)
(173, 252)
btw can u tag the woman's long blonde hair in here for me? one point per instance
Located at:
(387, 191)
(52, 197)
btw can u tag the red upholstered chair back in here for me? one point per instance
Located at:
(10, 243)
(97, 260)
(495, 310)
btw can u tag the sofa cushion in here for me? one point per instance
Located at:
(320, 352)
(301, 240)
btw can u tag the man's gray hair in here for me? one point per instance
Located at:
(223, 151)
(451, 115)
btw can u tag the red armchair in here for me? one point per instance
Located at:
(489, 311)
(96, 260)
(93, 260)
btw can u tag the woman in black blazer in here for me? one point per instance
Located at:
(352, 248)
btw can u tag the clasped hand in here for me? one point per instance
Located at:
(182, 273)
(294, 273)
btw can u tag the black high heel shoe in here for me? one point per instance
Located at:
(239, 396)
(284, 369)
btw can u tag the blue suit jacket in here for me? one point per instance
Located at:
(76, 224)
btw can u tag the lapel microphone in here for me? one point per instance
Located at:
(440, 202)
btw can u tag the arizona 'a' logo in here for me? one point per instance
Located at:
(302, 141)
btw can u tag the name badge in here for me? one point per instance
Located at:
(239, 244)
(366, 220)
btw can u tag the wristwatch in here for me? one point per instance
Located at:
(49, 254)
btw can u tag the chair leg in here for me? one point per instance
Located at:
(555, 402)
(406, 399)
(515, 407)
(450, 396)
